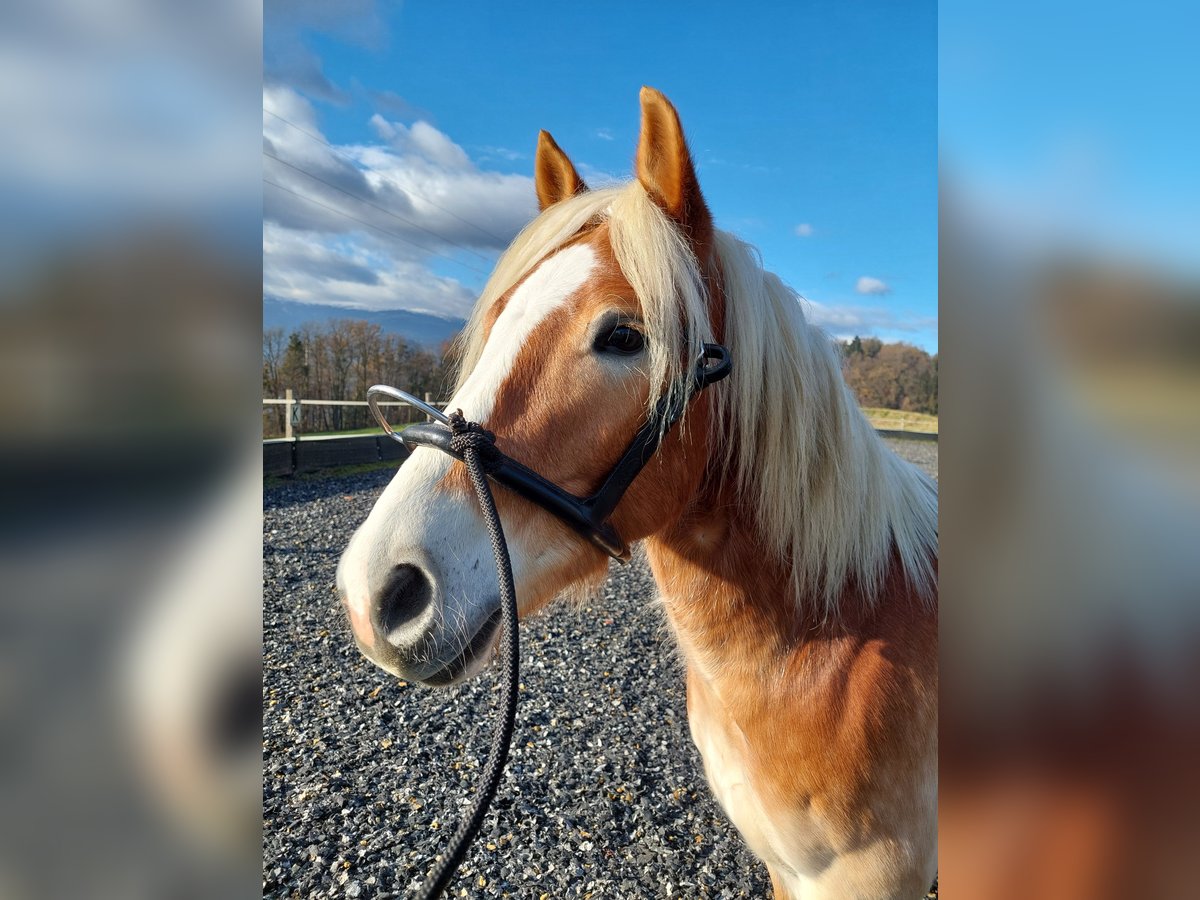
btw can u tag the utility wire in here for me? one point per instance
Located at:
(382, 209)
(399, 237)
(320, 140)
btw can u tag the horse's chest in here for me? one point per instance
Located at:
(727, 766)
(782, 835)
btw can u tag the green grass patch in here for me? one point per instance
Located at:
(899, 420)
(374, 429)
(353, 432)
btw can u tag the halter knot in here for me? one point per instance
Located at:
(472, 436)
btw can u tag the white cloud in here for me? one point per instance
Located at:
(804, 230)
(605, 134)
(404, 224)
(290, 105)
(847, 321)
(422, 141)
(313, 268)
(869, 285)
(420, 185)
(460, 202)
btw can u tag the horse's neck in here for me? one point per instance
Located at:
(727, 603)
(733, 609)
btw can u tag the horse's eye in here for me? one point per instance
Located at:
(622, 339)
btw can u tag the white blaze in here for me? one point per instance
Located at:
(546, 289)
(413, 521)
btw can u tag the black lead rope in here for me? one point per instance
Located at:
(478, 450)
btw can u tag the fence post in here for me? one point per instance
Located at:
(287, 415)
(428, 399)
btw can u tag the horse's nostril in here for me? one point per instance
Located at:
(405, 597)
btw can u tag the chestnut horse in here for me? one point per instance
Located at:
(795, 554)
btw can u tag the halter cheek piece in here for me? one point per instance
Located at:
(587, 515)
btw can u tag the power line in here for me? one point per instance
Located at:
(402, 188)
(399, 237)
(382, 209)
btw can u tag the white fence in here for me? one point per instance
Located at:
(296, 453)
(293, 407)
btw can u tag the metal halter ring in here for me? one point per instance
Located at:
(405, 397)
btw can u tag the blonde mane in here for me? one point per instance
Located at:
(825, 492)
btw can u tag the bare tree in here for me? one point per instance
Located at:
(338, 361)
(274, 346)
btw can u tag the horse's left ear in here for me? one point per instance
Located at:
(664, 166)
(554, 174)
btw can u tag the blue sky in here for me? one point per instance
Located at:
(814, 129)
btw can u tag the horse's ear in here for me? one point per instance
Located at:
(664, 166)
(553, 174)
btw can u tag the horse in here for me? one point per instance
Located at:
(795, 555)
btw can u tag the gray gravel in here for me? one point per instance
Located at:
(365, 776)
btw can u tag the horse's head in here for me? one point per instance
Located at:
(587, 323)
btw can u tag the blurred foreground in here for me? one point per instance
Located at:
(129, 475)
(1070, 473)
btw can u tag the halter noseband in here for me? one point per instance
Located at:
(586, 515)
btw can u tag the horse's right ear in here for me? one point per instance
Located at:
(553, 174)
(665, 168)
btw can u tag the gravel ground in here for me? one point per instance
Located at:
(365, 776)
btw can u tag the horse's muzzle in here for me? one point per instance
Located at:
(404, 628)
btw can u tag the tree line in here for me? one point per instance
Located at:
(891, 376)
(339, 360)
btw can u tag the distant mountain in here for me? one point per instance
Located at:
(419, 328)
